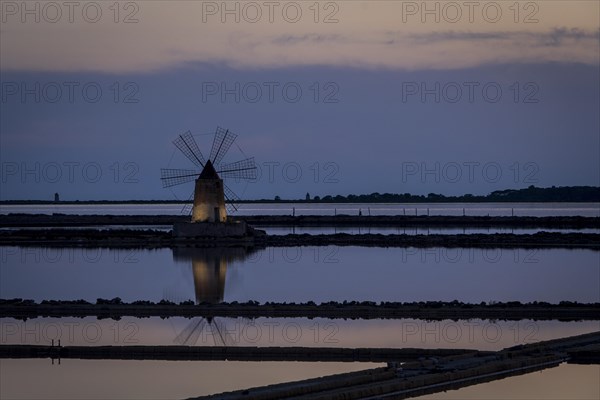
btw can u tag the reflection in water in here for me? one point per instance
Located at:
(209, 268)
(492, 335)
(301, 274)
(567, 381)
(130, 379)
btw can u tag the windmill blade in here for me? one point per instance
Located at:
(174, 177)
(188, 146)
(230, 199)
(244, 169)
(222, 334)
(221, 144)
(189, 206)
(193, 339)
(190, 333)
(230, 207)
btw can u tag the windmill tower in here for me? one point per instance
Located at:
(213, 199)
(209, 197)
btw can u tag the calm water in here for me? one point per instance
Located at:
(282, 274)
(94, 379)
(476, 334)
(115, 379)
(492, 209)
(80, 379)
(302, 274)
(293, 275)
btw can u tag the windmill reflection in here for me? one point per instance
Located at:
(209, 268)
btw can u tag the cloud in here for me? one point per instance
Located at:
(366, 35)
(554, 37)
(558, 36)
(312, 38)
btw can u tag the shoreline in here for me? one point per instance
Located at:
(564, 311)
(152, 239)
(66, 220)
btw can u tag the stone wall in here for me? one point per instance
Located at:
(209, 229)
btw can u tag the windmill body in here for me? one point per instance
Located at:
(213, 199)
(209, 197)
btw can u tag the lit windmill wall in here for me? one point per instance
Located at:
(209, 197)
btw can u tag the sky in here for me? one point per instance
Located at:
(330, 97)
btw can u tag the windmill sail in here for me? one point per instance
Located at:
(217, 329)
(189, 336)
(244, 169)
(174, 177)
(188, 146)
(223, 337)
(221, 144)
(187, 207)
(231, 199)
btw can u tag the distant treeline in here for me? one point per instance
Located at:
(530, 194)
(250, 303)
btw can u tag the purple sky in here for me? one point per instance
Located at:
(358, 97)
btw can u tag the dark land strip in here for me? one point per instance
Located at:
(129, 238)
(564, 311)
(230, 353)
(66, 220)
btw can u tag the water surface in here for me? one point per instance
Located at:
(567, 381)
(474, 334)
(128, 379)
(302, 274)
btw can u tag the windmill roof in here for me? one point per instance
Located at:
(209, 172)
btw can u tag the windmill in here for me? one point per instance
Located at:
(213, 200)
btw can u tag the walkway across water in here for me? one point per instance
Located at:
(432, 375)
(410, 372)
